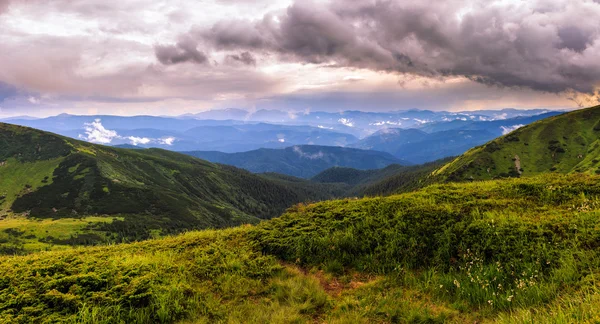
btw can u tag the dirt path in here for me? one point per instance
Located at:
(518, 164)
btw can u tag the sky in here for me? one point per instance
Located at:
(171, 57)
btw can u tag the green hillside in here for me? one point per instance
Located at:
(351, 176)
(504, 251)
(393, 179)
(140, 193)
(301, 160)
(567, 143)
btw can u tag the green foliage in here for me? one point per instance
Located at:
(151, 282)
(300, 160)
(508, 251)
(521, 238)
(153, 190)
(28, 145)
(567, 143)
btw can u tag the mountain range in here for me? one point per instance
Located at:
(434, 251)
(302, 161)
(414, 136)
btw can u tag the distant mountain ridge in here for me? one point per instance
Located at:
(411, 135)
(301, 160)
(440, 140)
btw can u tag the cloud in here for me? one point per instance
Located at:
(138, 140)
(185, 50)
(346, 122)
(535, 44)
(314, 156)
(80, 55)
(166, 141)
(353, 78)
(508, 129)
(96, 133)
(244, 57)
(7, 91)
(4, 5)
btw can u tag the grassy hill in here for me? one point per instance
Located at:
(393, 179)
(301, 160)
(567, 143)
(139, 193)
(504, 251)
(353, 176)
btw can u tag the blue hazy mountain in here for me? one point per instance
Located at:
(301, 160)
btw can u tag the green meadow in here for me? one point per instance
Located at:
(505, 251)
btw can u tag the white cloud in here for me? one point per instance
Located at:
(500, 116)
(138, 140)
(508, 129)
(96, 133)
(347, 122)
(387, 122)
(314, 156)
(34, 100)
(324, 127)
(166, 141)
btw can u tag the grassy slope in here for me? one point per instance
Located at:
(391, 180)
(49, 176)
(506, 251)
(566, 143)
(353, 177)
(300, 160)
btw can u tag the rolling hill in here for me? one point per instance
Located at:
(567, 143)
(301, 160)
(437, 255)
(47, 176)
(393, 179)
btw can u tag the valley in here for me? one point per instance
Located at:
(416, 248)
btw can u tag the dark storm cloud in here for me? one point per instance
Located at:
(541, 45)
(573, 38)
(184, 51)
(244, 57)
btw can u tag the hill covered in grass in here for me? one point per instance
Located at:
(567, 143)
(507, 251)
(46, 176)
(393, 179)
(302, 161)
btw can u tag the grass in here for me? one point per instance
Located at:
(200, 277)
(18, 178)
(566, 143)
(26, 235)
(485, 246)
(510, 251)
